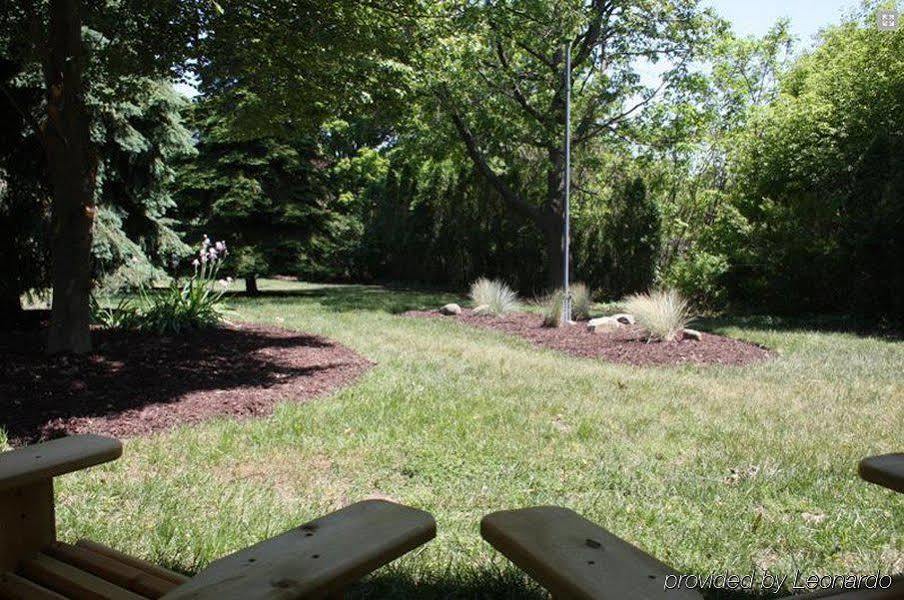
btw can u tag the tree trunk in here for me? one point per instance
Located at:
(73, 171)
(251, 286)
(553, 238)
(10, 308)
(552, 221)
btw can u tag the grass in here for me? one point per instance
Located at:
(461, 422)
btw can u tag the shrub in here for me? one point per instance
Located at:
(580, 301)
(697, 277)
(4, 440)
(663, 313)
(194, 304)
(495, 295)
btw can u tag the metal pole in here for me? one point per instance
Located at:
(566, 307)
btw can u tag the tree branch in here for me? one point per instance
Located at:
(25, 114)
(512, 198)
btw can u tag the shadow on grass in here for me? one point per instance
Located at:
(344, 298)
(860, 326)
(505, 584)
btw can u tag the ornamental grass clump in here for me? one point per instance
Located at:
(494, 295)
(663, 313)
(551, 308)
(581, 300)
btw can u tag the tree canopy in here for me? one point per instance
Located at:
(422, 141)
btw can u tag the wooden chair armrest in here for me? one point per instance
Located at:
(886, 470)
(43, 461)
(317, 559)
(575, 558)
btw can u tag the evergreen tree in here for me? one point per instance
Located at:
(269, 199)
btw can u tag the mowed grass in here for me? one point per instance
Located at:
(709, 469)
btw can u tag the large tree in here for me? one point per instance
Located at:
(820, 180)
(131, 37)
(497, 71)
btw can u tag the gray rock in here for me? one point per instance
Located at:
(603, 324)
(450, 309)
(692, 334)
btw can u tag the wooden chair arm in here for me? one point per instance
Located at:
(316, 560)
(46, 460)
(886, 470)
(575, 558)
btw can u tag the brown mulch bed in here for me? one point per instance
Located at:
(627, 345)
(136, 384)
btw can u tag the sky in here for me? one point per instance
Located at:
(748, 17)
(754, 17)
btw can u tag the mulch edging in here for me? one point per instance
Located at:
(137, 384)
(627, 345)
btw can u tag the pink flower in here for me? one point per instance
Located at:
(195, 263)
(220, 246)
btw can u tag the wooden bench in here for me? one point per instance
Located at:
(316, 560)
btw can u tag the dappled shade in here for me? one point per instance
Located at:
(135, 384)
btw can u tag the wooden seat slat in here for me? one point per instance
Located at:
(71, 581)
(115, 572)
(317, 559)
(147, 567)
(575, 558)
(14, 587)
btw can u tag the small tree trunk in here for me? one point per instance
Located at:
(251, 286)
(73, 172)
(553, 220)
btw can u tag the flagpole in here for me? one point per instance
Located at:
(566, 306)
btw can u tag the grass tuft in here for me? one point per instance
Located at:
(581, 301)
(495, 295)
(663, 313)
(551, 308)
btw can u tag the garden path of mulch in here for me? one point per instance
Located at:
(136, 384)
(627, 345)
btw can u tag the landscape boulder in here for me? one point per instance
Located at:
(624, 318)
(450, 309)
(603, 324)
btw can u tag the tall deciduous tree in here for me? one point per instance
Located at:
(498, 70)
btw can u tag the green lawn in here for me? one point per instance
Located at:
(461, 422)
